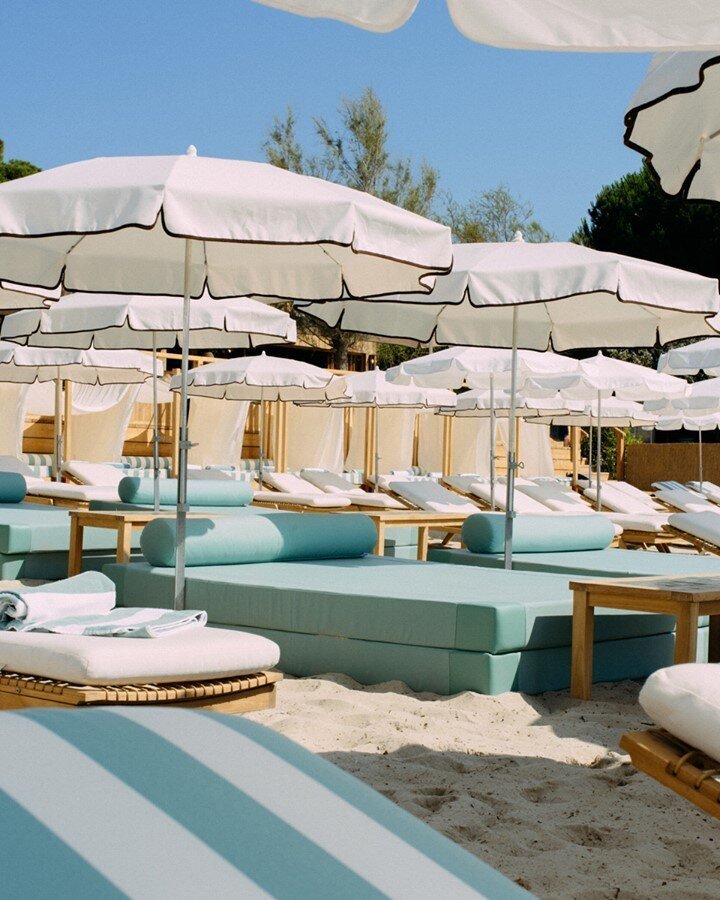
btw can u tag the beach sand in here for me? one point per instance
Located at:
(534, 786)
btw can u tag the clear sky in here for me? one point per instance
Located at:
(83, 78)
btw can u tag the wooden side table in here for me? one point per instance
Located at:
(685, 597)
(121, 521)
(425, 522)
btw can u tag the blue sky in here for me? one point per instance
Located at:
(85, 78)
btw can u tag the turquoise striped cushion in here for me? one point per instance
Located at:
(173, 803)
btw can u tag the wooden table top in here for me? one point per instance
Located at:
(411, 516)
(102, 517)
(661, 587)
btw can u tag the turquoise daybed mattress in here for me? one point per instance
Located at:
(438, 627)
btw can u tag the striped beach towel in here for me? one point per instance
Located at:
(90, 593)
(134, 622)
(173, 803)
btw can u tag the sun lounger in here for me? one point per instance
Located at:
(335, 485)
(556, 557)
(176, 803)
(431, 497)
(707, 489)
(701, 529)
(684, 752)
(632, 491)
(298, 502)
(686, 501)
(436, 627)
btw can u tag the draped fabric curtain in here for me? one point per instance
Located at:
(535, 451)
(355, 458)
(99, 435)
(315, 437)
(13, 402)
(396, 428)
(217, 427)
(471, 444)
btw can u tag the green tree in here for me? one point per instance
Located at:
(493, 215)
(14, 168)
(354, 152)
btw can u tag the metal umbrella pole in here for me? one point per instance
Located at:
(700, 458)
(261, 436)
(156, 431)
(58, 428)
(590, 447)
(598, 453)
(377, 445)
(183, 443)
(511, 461)
(492, 441)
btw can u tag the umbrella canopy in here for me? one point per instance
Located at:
(688, 420)
(374, 389)
(11, 299)
(702, 356)
(482, 404)
(700, 398)
(478, 367)
(674, 121)
(613, 412)
(603, 25)
(569, 295)
(604, 376)
(187, 225)
(30, 364)
(114, 321)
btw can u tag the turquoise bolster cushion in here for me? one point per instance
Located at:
(226, 541)
(203, 492)
(485, 533)
(12, 487)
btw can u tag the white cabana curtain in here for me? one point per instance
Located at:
(93, 398)
(535, 452)
(13, 402)
(430, 442)
(471, 445)
(217, 427)
(355, 458)
(98, 436)
(397, 427)
(315, 437)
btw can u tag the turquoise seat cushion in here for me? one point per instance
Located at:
(485, 533)
(33, 527)
(12, 487)
(227, 540)
(610, 563)
(205, 492)
(389, 600)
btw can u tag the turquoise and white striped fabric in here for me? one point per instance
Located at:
(126, 622)
(155, 803)
(90, 593)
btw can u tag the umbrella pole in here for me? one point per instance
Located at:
(58, 429)
(511, 462)
(598, 453)
(183, 443)
(492, 441)
(156, 432)
(261, 439)
(590, 450)
(700, 458)
(377, 447)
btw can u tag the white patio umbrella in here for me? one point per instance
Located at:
(674, 121)
(492, 404)
(601, 25)
(118, 321)
(30, 364)
(519, 294)
(373, 390)
(702, 356)
(11, 300)
(261, 378)
(699, 398)
(184, 225)
(689, 421)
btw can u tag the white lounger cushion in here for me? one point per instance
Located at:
(685, 700)
(289, 483)
(330, 483)
(555, 498)
(632, 491)
(80, 492)
(94, 473)
(709, 490)
(687, 501)
(523, 503)
(652, 523)
(464, 483)
(432, 497)
(703, 525)
(316, 501)
(621, 502)
(195, 654)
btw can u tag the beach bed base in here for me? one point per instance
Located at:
(682, 768)
(702, 546)
(239, 694)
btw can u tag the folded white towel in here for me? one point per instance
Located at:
(90, 593)
(135, 622)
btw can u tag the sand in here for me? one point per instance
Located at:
(534, 786)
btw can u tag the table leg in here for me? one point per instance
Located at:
(76, 547)
(582, 646)
(686, 634)
(380, 546)
(714, 639)
(124, 543)
(423, 542)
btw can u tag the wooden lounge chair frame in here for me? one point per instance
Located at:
(700, 544)
(683, 769)
(238, 694)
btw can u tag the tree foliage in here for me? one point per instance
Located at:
(493, 215)
(14, 168)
